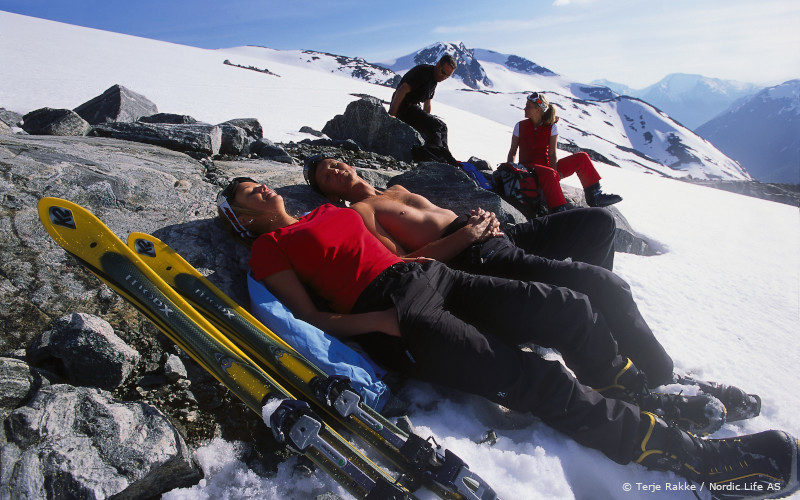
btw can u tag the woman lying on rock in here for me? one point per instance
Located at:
(463, 331)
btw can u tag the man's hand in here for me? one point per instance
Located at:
(483, 225)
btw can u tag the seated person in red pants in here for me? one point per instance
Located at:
(536, 138)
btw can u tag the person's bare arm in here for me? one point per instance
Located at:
(398, 97)
(286, 286)
(512, 151)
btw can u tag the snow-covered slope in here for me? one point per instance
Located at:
(353, 67)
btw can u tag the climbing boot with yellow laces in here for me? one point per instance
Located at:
(701, 414)
(756, 466)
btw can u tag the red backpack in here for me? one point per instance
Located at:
(520, 187)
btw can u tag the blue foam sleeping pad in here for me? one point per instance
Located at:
(326, 352)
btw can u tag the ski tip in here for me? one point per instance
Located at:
(57, 212)
(144, 244)
(64, 221)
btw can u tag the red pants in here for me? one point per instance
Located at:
(549, 179)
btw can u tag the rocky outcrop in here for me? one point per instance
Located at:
(10, 118)
(264, 148)
(251, 127)
(201, 138)
(49, 121)
(18, 383)
(131, 187)
(84, 350)
(116, 104)
(78, 442)
(367, 122)
(167, 118)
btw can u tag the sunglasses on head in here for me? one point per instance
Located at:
(538, 100)
(223, 202)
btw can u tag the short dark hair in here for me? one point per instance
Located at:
(449, 59)
(310, 170)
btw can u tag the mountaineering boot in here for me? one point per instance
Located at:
(702, 414)
(739, 404)
(756, 466)
(595, 197)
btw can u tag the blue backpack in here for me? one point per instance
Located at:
(476, 175)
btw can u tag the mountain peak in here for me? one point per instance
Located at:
(469, 70)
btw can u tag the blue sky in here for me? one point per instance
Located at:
(634, 42)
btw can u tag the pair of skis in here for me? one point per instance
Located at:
(248, 359)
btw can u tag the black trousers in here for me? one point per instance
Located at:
(464, 331)
(583, 234)
(533, 251)
(432, 129)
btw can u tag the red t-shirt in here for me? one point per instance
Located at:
(330, 250)
(534, 144)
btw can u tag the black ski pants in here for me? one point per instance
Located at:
(583, 234)
(464, 331)
(533, 251)
(432, 129)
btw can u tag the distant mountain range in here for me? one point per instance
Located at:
(690, 99)
(757, 127)
(762, 133)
